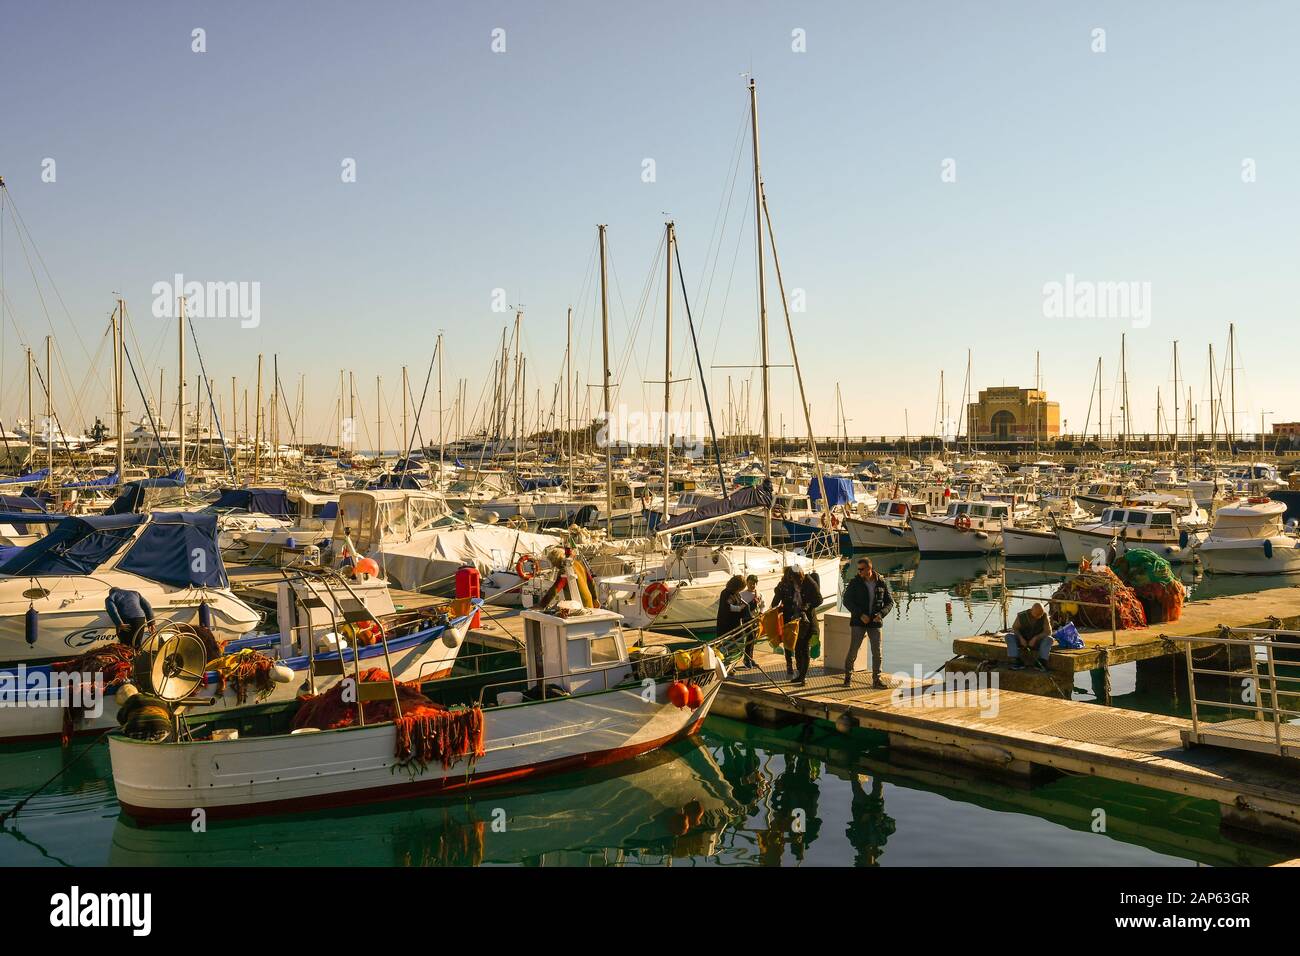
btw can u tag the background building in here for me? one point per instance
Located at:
(1007, 413)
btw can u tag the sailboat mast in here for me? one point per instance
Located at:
(668, 361)
(118, 414)
(1232, 382)
(1176, 418)
(49, 409)
(568, 392)
(442, 441)
(604, 385)
(762, 306)
(180, 377)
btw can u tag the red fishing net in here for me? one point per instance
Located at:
(112, 662)
(1085, 600)
(426, 732)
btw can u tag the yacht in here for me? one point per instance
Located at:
(1248, 537)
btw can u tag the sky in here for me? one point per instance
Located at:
(931, 169)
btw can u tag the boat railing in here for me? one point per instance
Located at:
(1269, 727)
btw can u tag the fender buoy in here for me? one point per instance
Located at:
(527, 567)
(1268, 548)
(654, 598)
(962, 523)
(32, 625)
(694, 696)
(678, 695)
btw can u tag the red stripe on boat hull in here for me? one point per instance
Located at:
(407, 791)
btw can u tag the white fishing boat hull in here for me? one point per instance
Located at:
(1251, 557)
(354, 765)
(1028, 543)
(941, 536)
(866, 534)
(1080, 544)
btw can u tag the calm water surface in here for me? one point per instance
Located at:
(738, 795)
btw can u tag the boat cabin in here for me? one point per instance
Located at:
(581, 653)
(979, 510)
(1153, 519)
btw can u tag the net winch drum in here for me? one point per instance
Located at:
(171, 663)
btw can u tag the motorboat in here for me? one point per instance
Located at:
(1248, 537)
(968, 527)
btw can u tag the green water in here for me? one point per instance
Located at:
(738, 795)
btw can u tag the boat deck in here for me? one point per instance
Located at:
(1014, 732)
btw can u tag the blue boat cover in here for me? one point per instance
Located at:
(20, 503)
(178, 548)
(261, 501)
(330, 511)
(533, 484)
(105, 482)
(76, 546)
(743, 499)
(132, 496)
(406, 480)
(838, 490)
(35, 476)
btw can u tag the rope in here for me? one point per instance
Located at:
(13, 811)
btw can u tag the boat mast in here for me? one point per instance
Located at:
(180, 377)
(31, 424)
(406, 433)
(1213, 421)
(1232, 383)
(119, 324)
(1176, 419)
(568, 392)
(49, 410)
(604, 386)
(442, 443)
(518, 386)
(1123, 394)
(762, 307)
(257, 429)
(668, 360)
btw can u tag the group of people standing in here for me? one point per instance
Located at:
(793, 617)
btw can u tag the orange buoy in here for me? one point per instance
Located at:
(694, 696)
(678, 695)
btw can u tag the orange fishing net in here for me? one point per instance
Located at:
(244, 669)
(1085, 600)
(425, 732)
(111, 661)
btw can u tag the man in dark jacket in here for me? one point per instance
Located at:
(130, 613)
(868, 600)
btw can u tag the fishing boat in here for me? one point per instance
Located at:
(52, 592)
(968, 527)
(584, 698)
(889, 528)
(1248, 537)
(1163, 530)
(324, 622)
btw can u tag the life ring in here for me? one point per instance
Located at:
(527, 567)
(962, 523)
(1257, 500)
(654, 598)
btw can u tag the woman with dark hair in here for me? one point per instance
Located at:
(788, 596)
(732, 611)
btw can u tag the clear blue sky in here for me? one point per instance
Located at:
(478, 170)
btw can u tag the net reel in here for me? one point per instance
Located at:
(171, 663)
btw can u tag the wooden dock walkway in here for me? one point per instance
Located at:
(1275, 607)
(1010, 732)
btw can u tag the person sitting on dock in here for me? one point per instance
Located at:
(131, 613)
(867, 599)
(1031, 636)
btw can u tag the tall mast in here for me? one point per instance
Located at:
(118, 414)
(31, 424)
(49, 409)
(1176, 419)
(275, 411)
(1213, 422)
(406, 433)
(604, 386)
(1232, 383)
(762, 305)
(668, 363)
(338, 414)
(180, 378)
(257, 428)
(1123, 395)
(379, 420)
(568, 390)
(234, 422)
(442, 443)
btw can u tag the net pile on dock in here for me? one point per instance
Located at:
(1085, 600)
(1152, 579)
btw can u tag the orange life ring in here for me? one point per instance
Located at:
(527, 567)
(962, 523)
(654, 598)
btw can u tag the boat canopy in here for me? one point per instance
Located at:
(535, 484)
(107, 481)
(838, 490)
(76, 546)
(757, 497)
(35, 476)
(138, 495)
(260, 501)
(178, 548)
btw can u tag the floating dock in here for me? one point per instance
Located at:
(1019, 734)
(1273, 608)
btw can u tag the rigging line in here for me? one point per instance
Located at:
(427, 377)
(17, 216)
(212, 406)
(708, 407)
(162, 449)
(731, 278)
